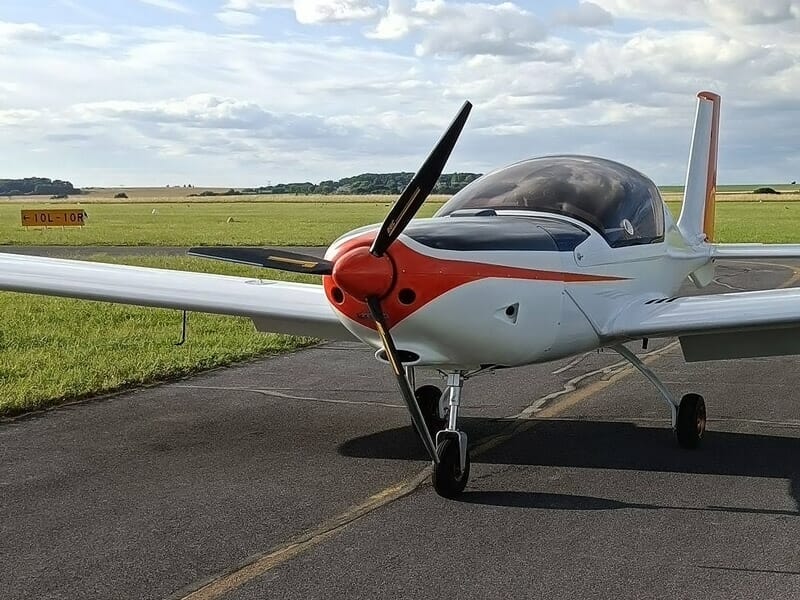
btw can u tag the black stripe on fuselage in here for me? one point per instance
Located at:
(488, 233)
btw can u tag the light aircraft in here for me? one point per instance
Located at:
(537, 261)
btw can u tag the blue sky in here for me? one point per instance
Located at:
(241, 92)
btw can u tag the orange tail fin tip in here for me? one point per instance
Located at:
(711, 187)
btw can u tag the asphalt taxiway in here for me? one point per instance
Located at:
(298, 477)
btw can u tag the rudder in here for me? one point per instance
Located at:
(696, 221)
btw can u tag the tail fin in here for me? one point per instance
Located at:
(696, 222)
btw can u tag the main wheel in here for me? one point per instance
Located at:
(428, 397)
(448, 478)
(691, 421)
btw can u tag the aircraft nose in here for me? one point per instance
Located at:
(361, 274)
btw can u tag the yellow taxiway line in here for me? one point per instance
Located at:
(259, 564)
(548, 406)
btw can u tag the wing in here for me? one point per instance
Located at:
(719, 326)
(275, 306)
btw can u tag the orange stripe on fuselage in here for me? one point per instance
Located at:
(429, 277)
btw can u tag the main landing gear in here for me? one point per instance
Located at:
(688, 415)
(440, 409)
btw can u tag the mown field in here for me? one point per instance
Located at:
(179, 195)
(765, 218)
(146, 224)
(54, 350)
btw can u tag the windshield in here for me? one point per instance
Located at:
(623, 205)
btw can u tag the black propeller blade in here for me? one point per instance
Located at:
(402, 381)
(269, 258)
(420, 186)
(403, 210)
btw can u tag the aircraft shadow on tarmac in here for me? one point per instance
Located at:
(601, 445)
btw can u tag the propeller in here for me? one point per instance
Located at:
(268, 258)
(368, 274)
(402, 381)
(420, 186)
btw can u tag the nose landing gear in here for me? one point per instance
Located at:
(451, 467)
(451, 472)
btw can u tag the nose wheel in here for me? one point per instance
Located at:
(449, 476)
(429, 398)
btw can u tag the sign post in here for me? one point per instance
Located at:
(54, 217)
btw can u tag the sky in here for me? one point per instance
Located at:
(248, 92)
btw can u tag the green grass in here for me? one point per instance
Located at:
(738, 188)
(180, 224)
(768, 222)
(54, 350)
(318, 224)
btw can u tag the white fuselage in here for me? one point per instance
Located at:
(508, 320)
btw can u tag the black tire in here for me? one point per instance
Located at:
(448, 479)
(691, 423)
(428, 399)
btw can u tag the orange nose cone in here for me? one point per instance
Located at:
(360, 274)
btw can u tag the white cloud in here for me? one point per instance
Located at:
(90, 39)
(236, 18)
(149, 105)
(397, 21)
(170, 5)
(250, 5)
(18, 116)
(327, 11)
(307, 12)
(586, 14)
(24, 32)
(744, 12)
(449, 28)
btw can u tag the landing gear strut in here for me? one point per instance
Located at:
(688, 415)
(451, 472)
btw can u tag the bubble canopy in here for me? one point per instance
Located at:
(623, 205)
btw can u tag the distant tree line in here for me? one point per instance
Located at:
(33, 186)
(366, 183)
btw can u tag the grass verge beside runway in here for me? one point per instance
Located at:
(55, 350)
(315, 223)
(188, 224)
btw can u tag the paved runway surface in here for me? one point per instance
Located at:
(298, 477)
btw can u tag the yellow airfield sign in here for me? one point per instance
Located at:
(54, 217)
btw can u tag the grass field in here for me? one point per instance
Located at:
(316, 224)
(181, 195)
(273, 223)
(54, 350)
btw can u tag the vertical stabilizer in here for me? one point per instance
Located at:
(696, 222)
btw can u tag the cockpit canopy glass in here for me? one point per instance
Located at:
(623, 205)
